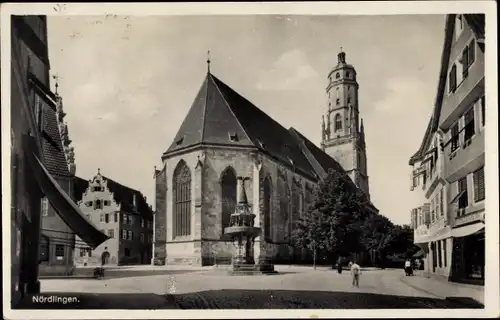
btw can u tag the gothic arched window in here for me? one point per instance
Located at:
(182, 200)
(338, 122)
(267, 208)
(284, 200)
(228, 195)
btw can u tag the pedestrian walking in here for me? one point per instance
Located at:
(408, 268)
(355, 273)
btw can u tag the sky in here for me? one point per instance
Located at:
(127, 83)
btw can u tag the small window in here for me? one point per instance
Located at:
(89, 203)
(347, 74)
(337, 75)
(463, 201)
(469, 124)
(142, 222)
(107, 203)
(106, 218)
(111, 233)
(59, 250)
(338, 122)
(459, 25)
(454, 137)
(179, 141)
(465, 62)
(116, 217)
(102, 218)
(45, 207)
(233, 137)
(98, 204)
(124, 234)
(348, 99)
(479, 191)
(337, 102)
(472, 52)
(452, 79)
(88, 216)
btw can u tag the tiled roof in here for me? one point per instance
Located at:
(121, 194)
(53, 151)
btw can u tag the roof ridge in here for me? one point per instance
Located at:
(229, 106)
(320, 171)
(204, 116)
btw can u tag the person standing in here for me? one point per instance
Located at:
(355, 273)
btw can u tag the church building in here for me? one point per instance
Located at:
(225, 136)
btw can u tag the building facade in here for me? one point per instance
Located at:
(456, 137)
(120, 212)
(57, 240)
(35, 151)
(221, 139)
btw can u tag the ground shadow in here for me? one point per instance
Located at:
(117, 273)
(243, 299)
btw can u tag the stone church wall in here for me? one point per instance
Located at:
(206, 246)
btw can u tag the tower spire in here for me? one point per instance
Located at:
(208, 61)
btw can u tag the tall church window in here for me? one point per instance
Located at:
(228, 190)
(284, 201)
(338, 122)
(182, 200)
(267, 208)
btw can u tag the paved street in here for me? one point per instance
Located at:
(293, 287)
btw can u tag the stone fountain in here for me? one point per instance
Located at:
(243, 233)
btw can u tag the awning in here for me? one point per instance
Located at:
(467, 230)
(62, 203)
(419, 254)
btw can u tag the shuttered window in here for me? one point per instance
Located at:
(454, 137)
(469, 124)
(462, 187)
(479, 193)
(452, 79)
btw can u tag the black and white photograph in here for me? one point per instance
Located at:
(284, 159)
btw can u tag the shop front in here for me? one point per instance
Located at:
(469, 254)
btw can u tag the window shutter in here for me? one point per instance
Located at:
(465, 62)
(472, 52)
(453, 78)
(479, 190)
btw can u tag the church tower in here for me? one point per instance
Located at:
(343, 136)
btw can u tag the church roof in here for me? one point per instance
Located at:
(218, 112)
(121, 194)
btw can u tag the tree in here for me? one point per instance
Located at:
(332, 222)
(402, 241)
(377, 234)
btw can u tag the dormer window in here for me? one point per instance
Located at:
(179, 141)
(233, 136)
